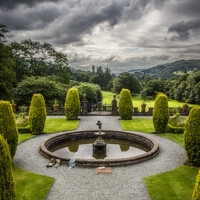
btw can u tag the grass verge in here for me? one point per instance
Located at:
(34, 186)
(29, 185)
(179, 138)
(177, 184)
(60, 124)
(138, 124)
(25, 136)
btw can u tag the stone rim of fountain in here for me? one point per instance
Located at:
(153, 147)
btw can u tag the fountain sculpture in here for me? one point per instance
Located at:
(99, 146)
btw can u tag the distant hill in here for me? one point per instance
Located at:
(133, 71)
(171, 70)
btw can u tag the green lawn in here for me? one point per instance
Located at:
(146, 125)
(179, 138)
(138, 124)
(53, 125)
(60, 124)
(29, 185)
(25, 136)
(177, 184)
(137, 101)
(34, 186)
(174, 185)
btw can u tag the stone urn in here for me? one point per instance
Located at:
(185, 107)
(56, 105)
(143, 107)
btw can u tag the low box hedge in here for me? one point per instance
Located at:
(25, 129)
(173, 129)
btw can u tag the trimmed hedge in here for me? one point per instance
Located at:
(25, 129)
(72, 104)
(196, 191)
(8, 126)
(7, 186)
(161, 113)
(172, 129)
(192, 136)
(37, 114)
(125, 104)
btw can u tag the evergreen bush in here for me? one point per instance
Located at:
(92, 91)
(161, 113)
(125, 104)
(192, 136)
(7, 186)
(37, 114)
(8, 126)
(50, 90)
(72, 104)
(196, 191)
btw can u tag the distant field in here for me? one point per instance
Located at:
(137, 101)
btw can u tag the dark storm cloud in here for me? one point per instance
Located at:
(75, 25)
(188, 7)
(29, 19)
(9, 4)
(183, 29)
(74, 20)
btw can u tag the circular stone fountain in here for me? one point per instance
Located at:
(93, 149)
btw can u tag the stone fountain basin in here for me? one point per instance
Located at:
(151, 145)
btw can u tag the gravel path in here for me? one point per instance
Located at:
(124, 183)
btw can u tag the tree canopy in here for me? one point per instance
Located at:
(35, 59)
(126, 81)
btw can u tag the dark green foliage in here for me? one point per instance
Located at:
(192, 136)
(35, 59)
(170, 70)
(81, 76)
(37, 114)
(196, 192)
(7, 187)
(72, 104)
(161, 113)
(127, 81)
(125, 105)
(8, 126)
(7, 73)
(24, 129)
(102, 78)
(152, 88)
(33, 85)
(176, 130)
(92, 91)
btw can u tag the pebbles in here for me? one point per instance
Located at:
(83, 183)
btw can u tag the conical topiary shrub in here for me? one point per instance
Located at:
(161, 113)
(196, 191)
(192, 136)
(7, 187)
(72, 104)
(8, 126)
(125, 104)
(37, 114)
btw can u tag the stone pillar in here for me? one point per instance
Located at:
(114, 105)
(85, 105)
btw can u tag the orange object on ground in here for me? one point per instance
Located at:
(106, 170)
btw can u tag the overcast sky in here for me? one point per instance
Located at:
(120, 34)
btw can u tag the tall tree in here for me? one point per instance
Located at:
(126, 81)
(34, 58)
(7, 66)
